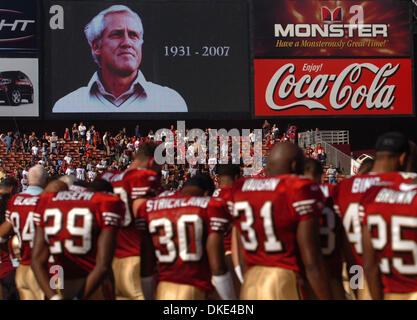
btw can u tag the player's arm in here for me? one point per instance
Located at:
(316, 271)
(147, 265)
(106, 245)
(237, 254)
(40, 256)
(371, 265)
(6, 229)
(348, 255)
(221, 277)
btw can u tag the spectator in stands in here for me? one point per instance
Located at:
(331, 173)
(8, 141)
(53, 140)
(33, 140)
(266, 127)
(67, 135)
(17, 143)
(82, 130)
(35, 152)
(81, 151)
(90, 135)
(80, 173)
(70, 170)
(68, 158)
(75, 132)
(137, 132)
(25, 143)
(275, 131)
(91, 174)
(44, 152)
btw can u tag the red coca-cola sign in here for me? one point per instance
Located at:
(320, 87)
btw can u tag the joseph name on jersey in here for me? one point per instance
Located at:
(72, 222)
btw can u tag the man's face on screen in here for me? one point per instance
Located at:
(121, 44)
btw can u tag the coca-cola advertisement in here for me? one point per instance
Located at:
(309, 87)
(332, 28)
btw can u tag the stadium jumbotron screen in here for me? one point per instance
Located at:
(189, 63)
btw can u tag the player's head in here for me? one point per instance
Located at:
(392, 150)
(285, 157)
(411, 163)
(115, 36)
(38, 176)
(145, 158)
(227, 174)
(199, 185)
(313, 169)
(55, 186)
(366, 166)
(9, 185)
(100, 185)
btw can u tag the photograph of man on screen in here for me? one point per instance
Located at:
(115, 36)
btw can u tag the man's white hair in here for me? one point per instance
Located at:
(94, 29)
(37, 176)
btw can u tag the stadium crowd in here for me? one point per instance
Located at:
(116, 152)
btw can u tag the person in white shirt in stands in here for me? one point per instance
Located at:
(35, 151)
(24, 182)
(80, 173)
(68, 158)
(82, 129)
(91, 174)
(70, 170)
(115, 36)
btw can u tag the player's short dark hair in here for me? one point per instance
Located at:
(392, 142)
(146, 151)
(10, 182)
(202, 181)
(313, 167)
(230, 170)
(81, 183)
(100, 185)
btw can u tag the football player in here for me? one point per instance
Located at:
(278, 218)
(392, 155)
(20, 220)
(227, 175)
(334, 244)
(185, 234)
(389, 238)
(138, 182)
(79, 230)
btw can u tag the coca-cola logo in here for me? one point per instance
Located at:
(344, 89)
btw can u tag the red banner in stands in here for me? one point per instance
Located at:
(309, 87)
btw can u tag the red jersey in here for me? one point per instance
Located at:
(347, 195)
(179, 227)
(129, 186)
(225, 193)
(267, 212)
(390, 212)
(331, 233)
(72, 222)
(19, 213)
